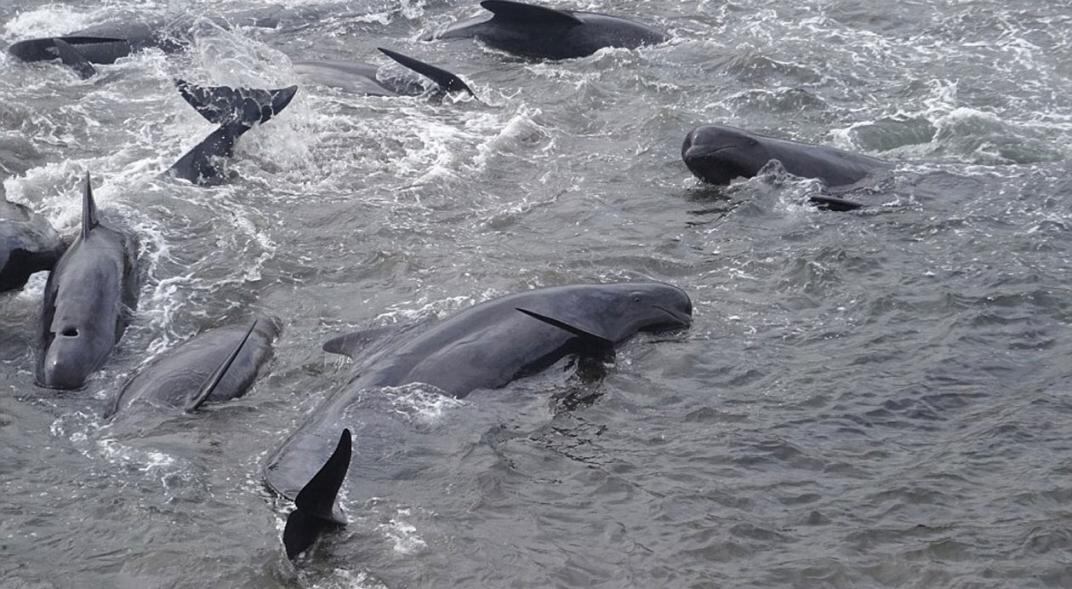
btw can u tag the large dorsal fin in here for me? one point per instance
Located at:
(595, 344)
(198, 398)
(447, 81)
(315, 503)
(74, 59)
(89, 209)
(528, 13)
(351, 344)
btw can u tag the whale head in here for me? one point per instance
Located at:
(718, 154)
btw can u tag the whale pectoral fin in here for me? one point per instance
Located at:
(73, 58)
(529, 14)
(199, 397)
(447, 81)
(831, 203)
(594, 344)
(315, 504)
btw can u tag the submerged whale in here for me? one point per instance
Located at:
(484, 347)
(28, 244)
(215, 366)
(235, 110)
(362, 78)
(88, 299)
(537, 31)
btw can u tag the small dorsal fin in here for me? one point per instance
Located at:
(198, 398)
(447, 81)
(73, 58)
(89, 209)
(351, 344)
(833, 203)
(597, 344)
(315, 503)
(528, 13)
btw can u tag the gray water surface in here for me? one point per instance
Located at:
(870, 399)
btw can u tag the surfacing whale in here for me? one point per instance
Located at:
(214, 366)
(28, 244)
(88, 299)
(484, 347)
(717, 154)
(540, 32)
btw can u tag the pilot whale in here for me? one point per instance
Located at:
(235, 110)
(540, 32)
(363, 78)
(28, 244)
(215, 366)
(88, 299)
(484, 347)
(717, 154)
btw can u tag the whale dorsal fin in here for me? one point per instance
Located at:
(89, 209)
(315, 503)
(528, 13)
(351, 344)
(447, 81)
(73, 58)
(199, 397)
(595, 344)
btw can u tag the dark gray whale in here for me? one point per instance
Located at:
(235, 110)
(537, 31)
(105, 43)
(28, 244)
(363, 78)
(717, 154)
(215, 366)
(484, 347)
(88, 298)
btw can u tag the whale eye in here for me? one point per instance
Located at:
(636, 298)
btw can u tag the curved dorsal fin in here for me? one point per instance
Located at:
(528, 13)
(89, 209)
(447, 81)
(198, 398)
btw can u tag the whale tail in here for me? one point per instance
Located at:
(315, 508)
(447, 81)
(236, 110)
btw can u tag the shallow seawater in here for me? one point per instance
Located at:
(868, 399)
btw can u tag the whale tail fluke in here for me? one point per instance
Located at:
(74, 59)
(236, 110)
(447, 81)
(315, 508)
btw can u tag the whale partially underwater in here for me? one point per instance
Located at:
(235, 110)
(717, 154)
(535, 31)
(215, 366)
(484, 347)
(89, 297)
(28, 244)
(367, 79)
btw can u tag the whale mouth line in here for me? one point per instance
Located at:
(680, 319)
(706, 153)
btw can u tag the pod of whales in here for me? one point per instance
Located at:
(88, 299)
(484, 347)
(540, 32)
(362, 78)
(215, 366)
(235, 110)
(28, 244)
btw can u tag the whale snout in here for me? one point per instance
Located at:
(717, 155)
